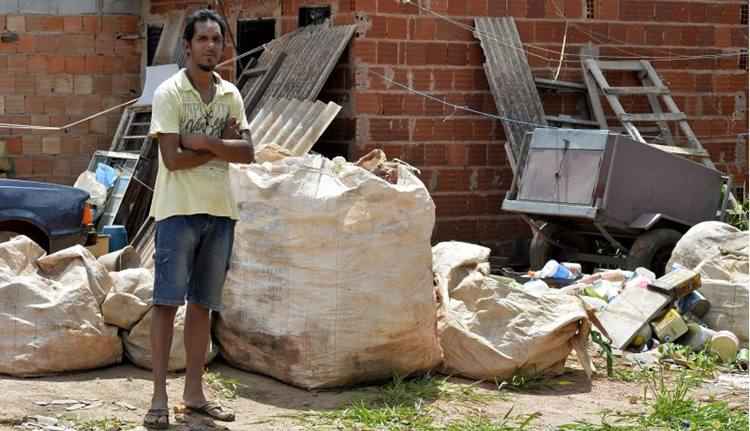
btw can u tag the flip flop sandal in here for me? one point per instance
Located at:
(213, 410)
(156, 419)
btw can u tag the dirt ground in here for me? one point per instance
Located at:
(263, 403)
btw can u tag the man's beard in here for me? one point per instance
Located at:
(206, 68)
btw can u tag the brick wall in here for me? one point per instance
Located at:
(60, 69)
(461, 155)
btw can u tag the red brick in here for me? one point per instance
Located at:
(477, 154)
(453, 180)
(416, 54)
(365, 5)
(75, 64)
(72, 24)
(443, 79)
(434, 107)
(463, 79)
(41, 166)
(421, 79)
(389, 129)
(367, 103)
(535, 9)
(436, 53)
(35, 23)
(422, 28)
(393, 104)
(35, 104)
(457, 154)
(23, 167)
(128, 23)
(497, 8)
(387, 52)
(449, 31)
(698, 12)
(54, 104)
(396, 7)
(90, 24)
(456, 54)
(396, 28)
(435, 154)
(14, 145)
(478, 7)
(18, 63)
(54, 24)
(109, 24)
(25, 43)
(47, 43)
(423, 130)
(414, 104)
(365, 51)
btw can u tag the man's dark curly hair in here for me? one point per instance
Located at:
(203, 15)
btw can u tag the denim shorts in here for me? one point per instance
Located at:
(192, 259)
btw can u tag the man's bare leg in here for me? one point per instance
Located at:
(197, 332)
(162, 327)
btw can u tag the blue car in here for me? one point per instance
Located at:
(54, 216)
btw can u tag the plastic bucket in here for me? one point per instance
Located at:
(725, 344)
(118, 237)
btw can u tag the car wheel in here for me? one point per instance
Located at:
(653, 249)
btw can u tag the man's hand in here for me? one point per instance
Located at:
(195, 143)
(231, 130)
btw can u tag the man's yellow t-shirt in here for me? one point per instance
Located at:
(178, 108)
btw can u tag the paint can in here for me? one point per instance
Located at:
(725, 344)
(697, 337)
(694, 303)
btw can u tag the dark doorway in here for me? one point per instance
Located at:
(153, 34)
(252, 34)
(310, 15)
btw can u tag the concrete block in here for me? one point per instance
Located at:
(122, 6)
(76, 7)
(47, 7)
(8, 6)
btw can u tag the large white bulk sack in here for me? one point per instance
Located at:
(50, 320)
(330, 282)
(130, 297)
(491, 328)
(137, 343)
(721, 254)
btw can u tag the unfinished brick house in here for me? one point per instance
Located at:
(63, 60)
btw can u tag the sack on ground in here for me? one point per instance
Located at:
(490, 328)
(50, 319)
(138, 343)
(330, 282)
(130, 297)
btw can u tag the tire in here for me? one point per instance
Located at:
(653, 249)
(540, 251)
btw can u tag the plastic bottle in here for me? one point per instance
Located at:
(553, 269)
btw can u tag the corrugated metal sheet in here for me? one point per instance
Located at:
(312, 53)
(294, 125)
(509, 75)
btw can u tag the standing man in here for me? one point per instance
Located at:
(199, 121)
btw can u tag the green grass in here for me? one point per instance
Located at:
(226, 387)
(105, 424)
(407, 404)
(670, 407)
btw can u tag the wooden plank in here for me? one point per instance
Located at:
(595, 101)
(559, 85)
(170, 39)
(654, 117)
(653, 101)
(572, 120)
(629, 311)
(681, 151)
(511, 81)
(637, 91)
(627, 65)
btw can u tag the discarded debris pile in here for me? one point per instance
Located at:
(330, 280)
(491, 327)
(701, 302)
(50, 318)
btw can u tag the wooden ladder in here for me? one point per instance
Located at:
(656, 92)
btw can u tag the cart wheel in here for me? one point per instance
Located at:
(540, 251)
(653, 249)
